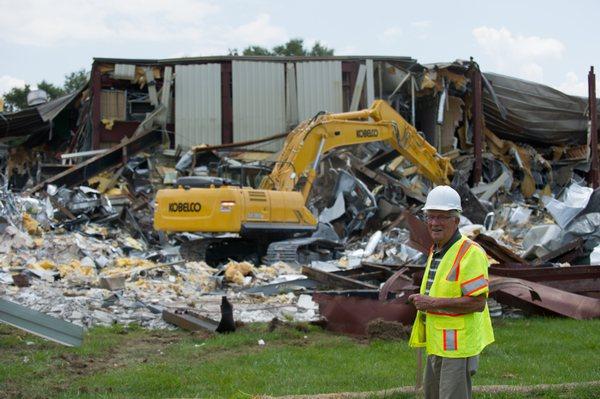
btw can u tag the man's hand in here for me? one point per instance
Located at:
(423, 302)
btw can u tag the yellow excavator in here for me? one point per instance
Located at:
(277, 210)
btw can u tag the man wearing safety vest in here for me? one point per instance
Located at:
(453, 322)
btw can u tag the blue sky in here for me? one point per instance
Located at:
(552, 42)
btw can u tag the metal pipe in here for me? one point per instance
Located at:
(442, 104)
(318, 157)
(408, 75)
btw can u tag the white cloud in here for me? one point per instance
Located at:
(348, 49)
(186, 24)
(421, 24)
(518, 55)
(8, 82)
(259, 31)
(42, 23)
(390, 34)
(573, 85)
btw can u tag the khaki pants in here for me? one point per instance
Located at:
(448, 378)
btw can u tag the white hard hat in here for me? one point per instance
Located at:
(443, 198)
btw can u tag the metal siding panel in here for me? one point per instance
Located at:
(319, 87)
(40, 324)
(197, 105)
(258, 101)
(124, 71)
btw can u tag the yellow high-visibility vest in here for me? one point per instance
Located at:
(462, 271)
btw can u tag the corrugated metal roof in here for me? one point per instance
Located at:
(319, 86)
(197, 105)
(219, 58)
(34, 120)
(258, 101)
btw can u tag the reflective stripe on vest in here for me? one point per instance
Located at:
(455, 270)
(475, 284)
(450, 340)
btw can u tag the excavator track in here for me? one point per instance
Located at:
(302, 250)
(217, 251)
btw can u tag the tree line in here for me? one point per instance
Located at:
(294, 47)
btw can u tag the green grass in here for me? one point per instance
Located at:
(132, 362)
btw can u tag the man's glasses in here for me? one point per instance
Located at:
(439, 218)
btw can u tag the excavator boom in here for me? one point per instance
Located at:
(277, 209)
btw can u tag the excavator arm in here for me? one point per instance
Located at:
(305, 146)
(278, 207)
(277, 210)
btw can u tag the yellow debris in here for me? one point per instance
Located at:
(200, 274)
(114, 192)
(75, 268)
(268, 270)
(43, 265)
(108, 123)
(133, 243)
(132, 262)
(31, 225)
(235, 271)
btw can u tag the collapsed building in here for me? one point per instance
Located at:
(81, 175)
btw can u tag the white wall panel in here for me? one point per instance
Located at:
(258, 101)
(197, 104)
(319, 87)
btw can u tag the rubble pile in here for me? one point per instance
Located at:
(85, 259)
(81, 246)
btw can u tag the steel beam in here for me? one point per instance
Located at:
(594, 175)
(477, 123)
(335, 280)
(40, 324)
(114, 157)
(187, 321)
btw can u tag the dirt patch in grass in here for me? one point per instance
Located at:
(387, 330)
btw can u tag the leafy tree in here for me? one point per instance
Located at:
(52, 90)
(256, 50)
(291, 48)
(318, 50)
(294, 47)
(16, 98)
(75, 80)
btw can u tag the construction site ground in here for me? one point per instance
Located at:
(533, 358)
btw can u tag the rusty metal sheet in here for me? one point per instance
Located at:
(582, 280)
(399, 282)
(335, 280)
(348, 313)
(527, 272)
(546, 300)
(419, 236)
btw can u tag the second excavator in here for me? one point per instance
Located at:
(277, 210)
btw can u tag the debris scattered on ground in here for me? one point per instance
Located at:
(79, 245)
